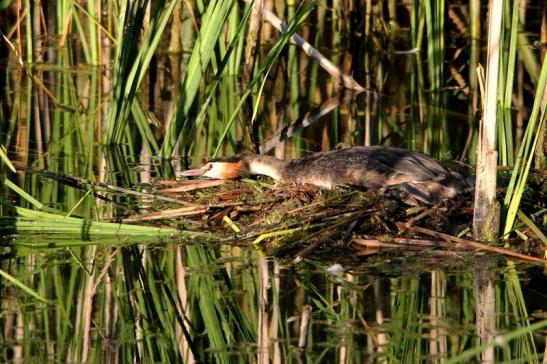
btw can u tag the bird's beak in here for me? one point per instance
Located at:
(194, 172)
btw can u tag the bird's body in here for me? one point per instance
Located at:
(373, 168)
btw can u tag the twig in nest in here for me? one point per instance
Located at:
(193, 185)
(472, 245)
(310, 248)
(412, 221)
(166, 214)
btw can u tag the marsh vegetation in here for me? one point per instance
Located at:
(119, 97)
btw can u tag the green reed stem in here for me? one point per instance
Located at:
(22, 286)
(524, 160)
(266, 66)
(212, 23)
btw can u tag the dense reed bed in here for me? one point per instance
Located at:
(126, 93)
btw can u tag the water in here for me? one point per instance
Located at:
(121, 301)
(139, 297)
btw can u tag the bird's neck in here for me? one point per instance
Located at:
(266, 165)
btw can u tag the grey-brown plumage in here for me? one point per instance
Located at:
(423, 178)
(378, 168)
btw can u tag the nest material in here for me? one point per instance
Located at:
(285, 218)
(298, 220)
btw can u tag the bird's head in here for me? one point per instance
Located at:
(221, 168)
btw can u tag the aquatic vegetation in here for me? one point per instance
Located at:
(163, 81)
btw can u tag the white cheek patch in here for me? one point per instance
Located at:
(215, 172)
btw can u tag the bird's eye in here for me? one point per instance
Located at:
(209, 166)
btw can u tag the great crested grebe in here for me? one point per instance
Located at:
(375, 168)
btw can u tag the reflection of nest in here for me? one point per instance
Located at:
(302, 220)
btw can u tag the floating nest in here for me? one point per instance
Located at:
(299, 220)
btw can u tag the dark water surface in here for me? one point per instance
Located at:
(119, 301)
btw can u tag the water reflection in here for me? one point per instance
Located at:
(173, 301)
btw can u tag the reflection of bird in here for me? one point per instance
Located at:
(420, 176)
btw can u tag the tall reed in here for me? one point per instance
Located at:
(213, 20)
(132, 59)
(486, 209)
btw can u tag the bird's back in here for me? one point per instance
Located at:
(374, 168)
